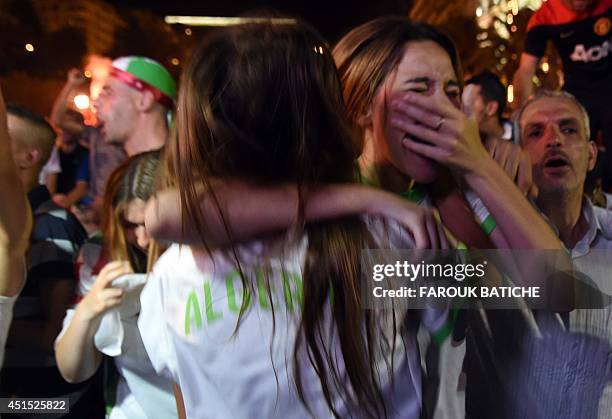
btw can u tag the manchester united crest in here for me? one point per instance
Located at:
(602, 26)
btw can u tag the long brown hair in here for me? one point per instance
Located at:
(263, 102)
(370, 52)
(133, 179)
(365, 57)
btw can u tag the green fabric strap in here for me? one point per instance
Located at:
(446, 329)
(415, 194)
(488, 225)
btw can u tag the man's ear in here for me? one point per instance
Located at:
(33, 157)
(145, 101)
(491, 108)
(592, 155)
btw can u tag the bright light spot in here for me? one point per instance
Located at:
(81, 101)
(501, 29)
(510, 19)
(188, 31)
(503, 61)
(175, 61)
(29, 47)
(87, 74)
(513, 5)
(513, 28)
(510, 93)
(545, 67)
(321, 50)
(478, 11)
(224, 21)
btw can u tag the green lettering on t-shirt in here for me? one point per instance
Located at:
(211, 314)
(231, 293)
(192, 308)
(296, 293)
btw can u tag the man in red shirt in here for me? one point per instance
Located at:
(581, 31)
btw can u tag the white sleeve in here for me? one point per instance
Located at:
(52, 166)
(153, 326)
(6, 316)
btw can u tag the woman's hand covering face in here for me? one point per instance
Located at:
(438, 130)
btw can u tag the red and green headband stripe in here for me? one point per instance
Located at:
(140, 85)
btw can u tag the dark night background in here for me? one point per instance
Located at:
(65, 33)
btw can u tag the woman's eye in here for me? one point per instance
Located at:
(417, 89)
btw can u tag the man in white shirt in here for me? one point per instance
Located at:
(554, 129)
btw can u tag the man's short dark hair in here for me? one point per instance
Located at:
(491, 90)
(40, 132)
(31, 117)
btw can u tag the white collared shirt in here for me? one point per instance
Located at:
(592, 255)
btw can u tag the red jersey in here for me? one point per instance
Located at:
(583, 40)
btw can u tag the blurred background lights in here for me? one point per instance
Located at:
(81, 101)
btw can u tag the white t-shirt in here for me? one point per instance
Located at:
(51, 167)
(140, 392)
(6, 316)
(189, 313)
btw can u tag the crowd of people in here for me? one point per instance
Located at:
(199, 252)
